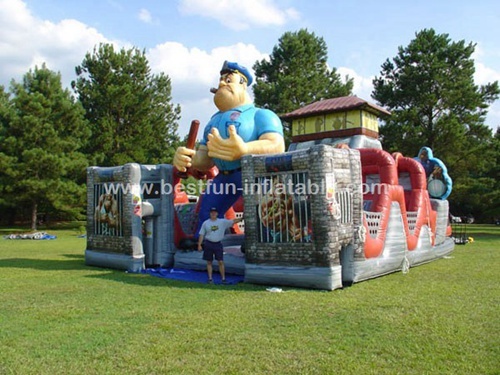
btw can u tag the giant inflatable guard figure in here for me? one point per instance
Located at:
(237, 129)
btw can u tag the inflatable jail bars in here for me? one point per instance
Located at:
(130, 217)
(301, 247)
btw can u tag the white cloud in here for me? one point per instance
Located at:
(194, 71)
(240, 15)
(493, 119)
(145, 16)
(363, 86)
(26, 41)
(484, 75)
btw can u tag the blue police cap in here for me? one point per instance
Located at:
(232, 67)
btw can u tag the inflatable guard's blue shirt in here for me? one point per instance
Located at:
(250, 122)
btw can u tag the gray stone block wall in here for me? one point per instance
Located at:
(326, 166)
(128, 242)
(144, 192)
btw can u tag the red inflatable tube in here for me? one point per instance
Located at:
(415, 199)
(381, 163)
(382, 204)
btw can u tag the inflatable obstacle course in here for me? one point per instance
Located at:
(334, 210)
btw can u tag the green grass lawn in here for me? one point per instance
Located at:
(58, 316)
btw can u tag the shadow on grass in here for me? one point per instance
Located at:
(76, 263)
(75, 256)
(147, 280)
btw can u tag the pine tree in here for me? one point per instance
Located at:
(297, 74)
(128, 108)
(429, 88)
(42, 137)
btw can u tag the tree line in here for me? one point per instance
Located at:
(119, 112)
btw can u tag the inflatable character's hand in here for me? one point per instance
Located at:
(183, 158)
(232, 148)
(437, 172)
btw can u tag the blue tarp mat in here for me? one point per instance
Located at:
(191, 275)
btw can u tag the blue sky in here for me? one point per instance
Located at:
(189, 39)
